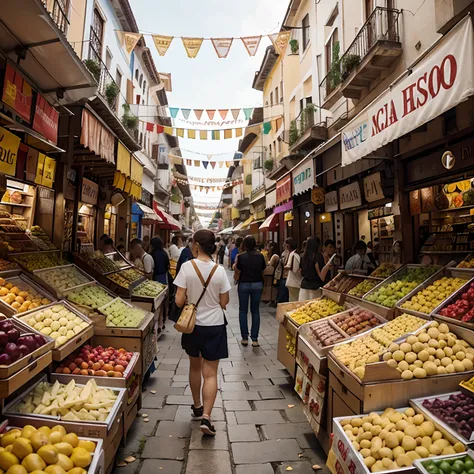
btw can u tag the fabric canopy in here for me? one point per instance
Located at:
(270, 223)
(248, 222)
(149, 215)
(238, 227)
(169, 221)
(95, 137)
(229, 230)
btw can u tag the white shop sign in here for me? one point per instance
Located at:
(303, 177)
(373, 190)
(331, 202)
(440, 81)
(350, 196)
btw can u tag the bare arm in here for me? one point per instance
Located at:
(323, 273)
(180, 298)
(224, 299)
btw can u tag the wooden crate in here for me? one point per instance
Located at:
(283, 308)
(112, 445)
(283, 355)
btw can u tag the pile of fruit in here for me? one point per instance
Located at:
(326, 334)
(49, 450)
(119, 314)
(96, 361)
(315, 310)
(468, 384)
(14, 345)
(426, 300)
(367, 349)
(356, 321)
(462, 308)
(385, 270)
(63, 278)
(57, 322)
(394, 439)
(125, 277)
(5, 265)
(21, 296)
(39, 233)
(291, 344)
(149, 288)
(457, 412)
(463, 465)
(70, 402)
(432, 351)
(39, 261)
(99, 262)
(389, 294)
(342, 283)
(92, 296)
(363, 287)
(467, 263)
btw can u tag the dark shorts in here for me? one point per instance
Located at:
(209, 342)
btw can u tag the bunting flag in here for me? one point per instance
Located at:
(205, 164)
(203, 134)
(210, 114)
(228, 164)
(174, 112)
(197, 163)
(280, 41)
(168, 130)
(238, 132)
(150, 127)
(221, 164)
(186, 113)
(213, 164)
(235, 113)
(223, 113)
(227, 134)
(192, 46)
(248, 111)
(198, 113)
(188, 162)
(160, 129)
(216, 135)
(222, 46)
(129, 40)
(162, 43)
(267, 126)
(192, 134)
(251, 44)
(279, 123)
(180, 132)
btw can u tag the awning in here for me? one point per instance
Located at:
(270, 223)
(238, 227)
(229, 230)
(247, 223)
(169, 221)
(149, 215)
(288, 206)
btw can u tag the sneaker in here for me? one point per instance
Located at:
(244, 342)
(255, 344)
(207, 428)
(197, 412)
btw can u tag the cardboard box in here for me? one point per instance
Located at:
(283, 355)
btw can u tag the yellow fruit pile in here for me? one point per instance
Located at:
(21, 296)
(396, 328)
(426, 300)
(394, 439)
(315, 310)
(430, 352)
(46, 450)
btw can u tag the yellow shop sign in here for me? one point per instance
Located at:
(9, 144)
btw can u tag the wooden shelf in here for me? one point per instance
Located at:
(442, 252)
(13, 204)
(450, 209)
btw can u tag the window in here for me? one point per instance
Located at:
(271, 98)
(136, 74)
(301, 104)
(118, 78)
(309, 100)
(306, 31)
(144, 87)
(108, 59)
(281, 91)
(139, 98)
(330, 46)
(276, 95)
(140, 81)
(97, 34)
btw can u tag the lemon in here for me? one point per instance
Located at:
(64, 462)
(49, 454)
(7, 460)
(27, 431)
(9, 437)
(38, 439)
(21, 447)
(55, 469)
(33, 462)
(17, 469)
(72, 439)
(64, 448)
(87, 445)
(81, 457)
(55, 437)
(59, 428)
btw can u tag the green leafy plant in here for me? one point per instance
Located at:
(129, 121)
(268, 164)
(294, 45)
(94, 68)
(294, 135)
(248, 179)
(349, 63)
(334, 76)
(111, 92)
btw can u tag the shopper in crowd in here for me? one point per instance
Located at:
(329, 251)
(186, 255)
(176, 247)
(230, 248)
(293, 280)
(396, 255)
(108, 246)
(220, 244)
(102, 240)
(360, 261)
(251, 265)
(121, 249)
(207, 344)
(270, 285)
(236, 250)
(160, 259)
(146, 243)
(281, 274)
(142, 260)
(303, 246)
(313, 270)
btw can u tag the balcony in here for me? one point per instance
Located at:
(305, 132)
(369, 58)
(58, 11)
(257, 193)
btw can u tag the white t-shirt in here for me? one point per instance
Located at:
(145, 263)
(293, 280)
(175, 252)
(209, 311)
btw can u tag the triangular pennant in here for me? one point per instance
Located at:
(210, 113)
(207, 190)
(221, 164)
(227, 133)
(174, 112)
(130, 40)
(191, 135)
(201, 188)
(198, 113)
(186, 113)
(222, 46)
(251, 44)
(160, 129)
(180, 132)
(205, 164)
(235, 113)
(213, 164)
(280, 41)
(162, 43)
(228, 164)
(168, 130)
(223, 113)
(216, 135)
(248, 113)
(150, 127)
(188, 162)
(197, 163)
(267, 126)
(238, 132)
(192, 46)
(203, 134)
(209, 156)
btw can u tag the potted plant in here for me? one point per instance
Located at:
(293, 133)
(111, 92)
(294, 45)
(94, 68)
(334, 75)
(268, 164)
(248, 179)
(349, 63)
(129, 121)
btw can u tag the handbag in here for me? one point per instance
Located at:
(187, 319)
(236, 271)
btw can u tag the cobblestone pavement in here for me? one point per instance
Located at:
(257, 432)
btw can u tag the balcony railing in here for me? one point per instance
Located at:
(298, 126)
(58, 12)
(257, 191)
(381, 26)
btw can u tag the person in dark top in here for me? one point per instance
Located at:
(313, 270)
(161, 259)
(186, 255)
(251, 265)
(235, 250)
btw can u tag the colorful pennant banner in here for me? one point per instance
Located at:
(179, 160)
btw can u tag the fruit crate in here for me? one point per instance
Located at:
(418, 463)
(84, 264)
(417, 404)
(291, 321)
(72, 344)
(449, 272)
(350, 282)
(38, 275)
(118, 289)
(126, 303)
(156, 301)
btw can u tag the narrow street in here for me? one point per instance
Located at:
(257, 431)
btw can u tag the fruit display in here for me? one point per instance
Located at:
(326, 334)
(461, 308)
(57, 322)
(468, 385)
(38, 261)
(342, 283)
(120, 314)
(63, 278)
(393, 439)
(355, 321)
(291, 344)
(385, 270)
(99, 262)
(315, 310)
(70, 402)
(49, 450)
(468, 262)
(457, 411)
(92, 296)
(432, 351)
(462, 465)
(388, 294)
(125, 277)
(21, 296)
(5, 265)
(429, 298)
(96, 361)
(149, 288)
(363, 287)
(15, 240)
(15, 343)
(39, 233)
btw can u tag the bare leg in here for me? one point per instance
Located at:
(195, 368)
(209, 389)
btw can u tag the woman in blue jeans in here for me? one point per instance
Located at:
(251, 264)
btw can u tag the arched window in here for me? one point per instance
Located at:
(136, 74)
(140, 80)
(144, 86)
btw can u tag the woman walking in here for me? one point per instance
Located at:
(251, 265)
(293, 280)
(313, 270)
(161, 259)
(207, 344)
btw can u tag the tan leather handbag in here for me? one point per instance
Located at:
(187, 318)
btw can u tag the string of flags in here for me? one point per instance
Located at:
(192, 45)
(212, 188)
(200, 179)
(185, 112)
(178, 160)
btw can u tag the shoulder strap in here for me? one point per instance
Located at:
(205, 284)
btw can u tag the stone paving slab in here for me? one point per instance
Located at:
(260, 383)
(164, 448)
(150, 466)
(175, 429)
(265, 451)
(270, 394)
(286, 430)
(232, 386)
(247, 395)
(242, 433)
(272, 404)
(218, 442)
(201, 461)
(301, 467)
(258, 417)
(254, 469)
(237, 405)
(237, 378)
